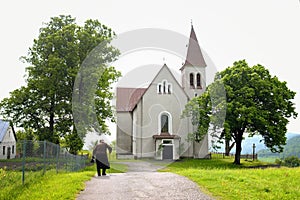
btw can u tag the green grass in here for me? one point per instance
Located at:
(269, 159)
(221, 179)
(51, 185)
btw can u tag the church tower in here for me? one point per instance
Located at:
(193, 74)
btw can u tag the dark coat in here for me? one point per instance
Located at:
(100, 153)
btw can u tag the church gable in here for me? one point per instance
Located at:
(164, 96)
(165, 83)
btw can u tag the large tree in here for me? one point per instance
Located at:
(255, 103)
(45, 103)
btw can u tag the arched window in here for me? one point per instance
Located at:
(164, 123)
(159, 89)
(164, 87)
(192, 85)
(199, 81)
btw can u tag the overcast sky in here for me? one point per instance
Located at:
(261, 31)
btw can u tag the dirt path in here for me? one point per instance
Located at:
(141, 182)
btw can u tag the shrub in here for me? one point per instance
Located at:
(279, 161)
(292, 161)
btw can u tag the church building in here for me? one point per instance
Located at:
(149, 121)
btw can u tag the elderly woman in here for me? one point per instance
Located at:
(100, 153)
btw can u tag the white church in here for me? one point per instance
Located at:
(149, 122)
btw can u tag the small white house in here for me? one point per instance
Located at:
(7, 141)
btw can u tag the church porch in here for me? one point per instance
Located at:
(167, 146)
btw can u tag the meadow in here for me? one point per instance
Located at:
(216, 177)
(223, 180)
(51, 185)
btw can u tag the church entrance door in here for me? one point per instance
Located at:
(167, 152)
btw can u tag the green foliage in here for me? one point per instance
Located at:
(199, 110)
(26, 134)
(291, 161)
(256, 103)
(220, 179)
(44, 105)
(103, 97)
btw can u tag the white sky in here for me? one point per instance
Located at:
(265, 32)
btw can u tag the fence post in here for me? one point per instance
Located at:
(253, 153)
(44, 157)
(23, 162)
(57, 158)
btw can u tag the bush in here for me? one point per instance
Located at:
(292, 161)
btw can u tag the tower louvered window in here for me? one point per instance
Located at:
(192, 85)
(199, 81)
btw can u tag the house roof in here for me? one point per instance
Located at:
(127, 98)
(194, 55)
(3, 129)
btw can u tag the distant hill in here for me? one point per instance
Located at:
(247, 143)
(259, 143)
(292, 148)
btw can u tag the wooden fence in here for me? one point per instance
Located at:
(213, 155)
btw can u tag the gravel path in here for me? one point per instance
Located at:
(141, 182)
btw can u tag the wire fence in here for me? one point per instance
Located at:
(220, 155)
(42, 156)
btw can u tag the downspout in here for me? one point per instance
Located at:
(155, 153)
(142, 127)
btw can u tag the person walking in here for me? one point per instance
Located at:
(100, 153)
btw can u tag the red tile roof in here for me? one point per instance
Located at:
(127, 98)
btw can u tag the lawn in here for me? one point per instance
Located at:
(51, 185)
(220, 178)
(217, 177)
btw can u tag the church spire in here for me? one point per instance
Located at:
(194, 55)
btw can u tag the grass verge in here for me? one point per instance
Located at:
(221, 179)
(51, 185)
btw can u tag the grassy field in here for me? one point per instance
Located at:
(217, 177)
(51, 185)
(221, 179)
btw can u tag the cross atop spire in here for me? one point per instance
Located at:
(194, 55)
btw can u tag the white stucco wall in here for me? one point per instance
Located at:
(124, 133)
(9, 141)
(150, 108)
(145, 121)
(186, 80)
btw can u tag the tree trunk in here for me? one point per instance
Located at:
(227, 147)
(238, 142)
(52, 137)
(51, 128)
